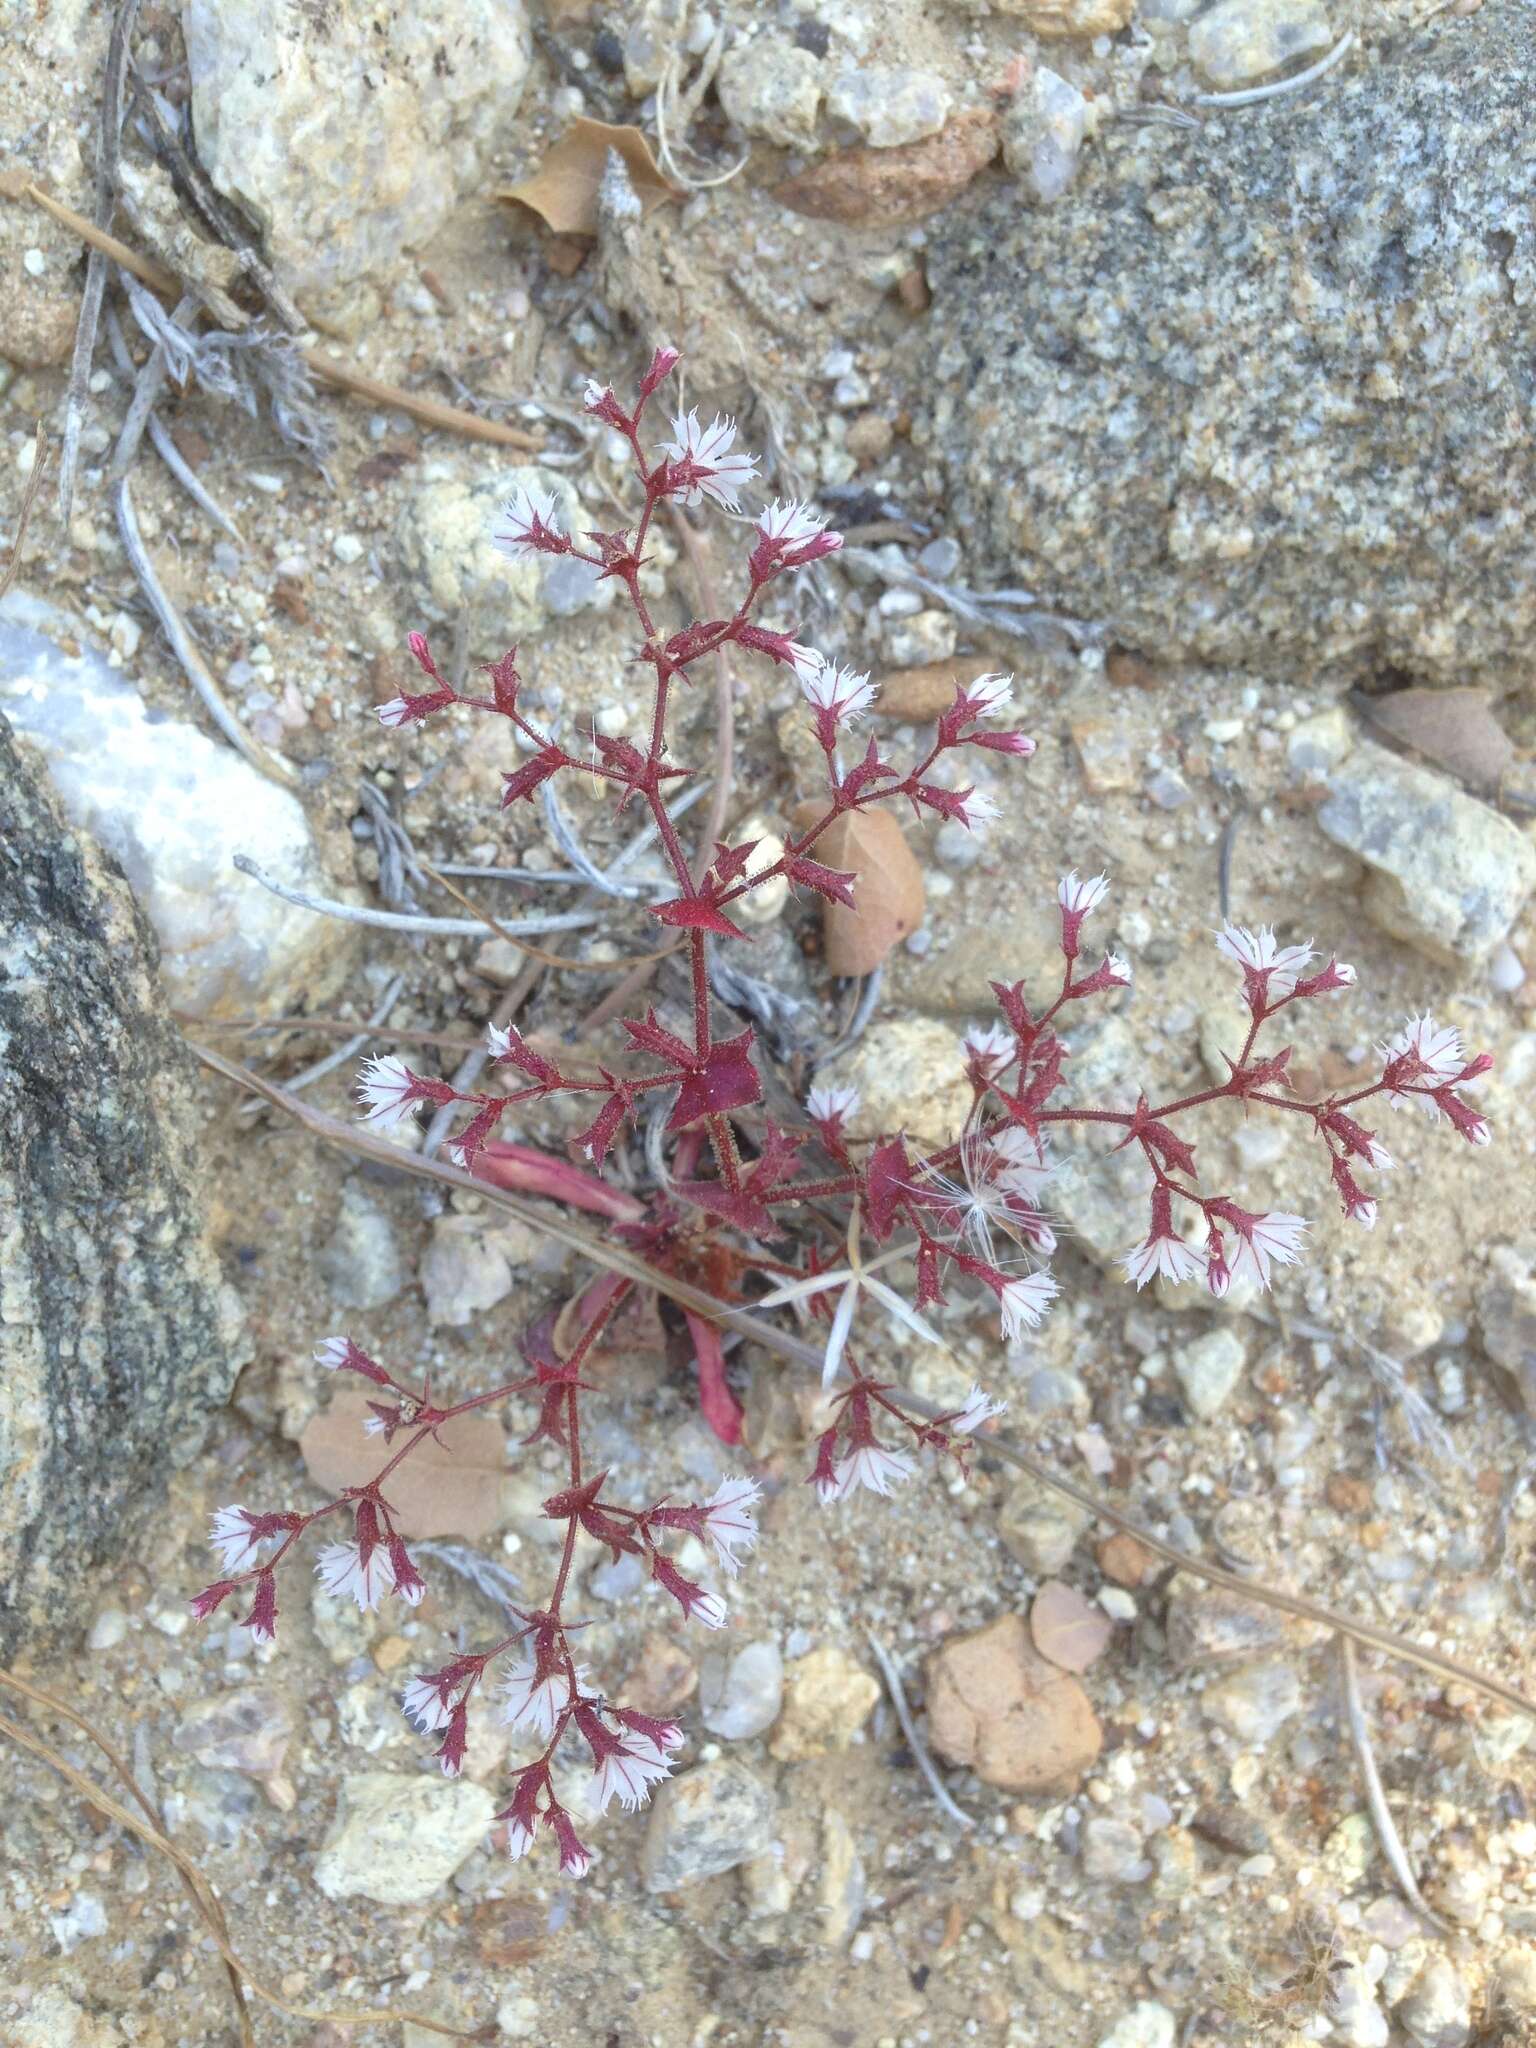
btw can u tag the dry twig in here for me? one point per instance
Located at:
(109, 141)
(431, 411)
(893, 1685)
(151, 1832)
(1375, 1797)
(185, 648)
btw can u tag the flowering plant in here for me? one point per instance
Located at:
(745, 1201)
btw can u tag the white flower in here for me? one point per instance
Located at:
(838, 690)
(804, 661)
(870, 1465)
(1023, 1167)
(1167, 1255)
(791, 524)
(977, 808)
(1363, 1212)
(534, 1703)
(1257, 953)
(342, 1568)
(423, 1705)
(519, 1839)
(331, 1352)
(708, 1610)
(730, 1519)
(574, 1860)
(395, 712)
(1119, 967)
(1272, 1239)
(1025, 1300)
(531, 516)
(823, 1104)
(230, 1535)
(990, 1046)
(498, 1041)
(630, 1773)
(596, 394)
(979, 1408)
(988, 695)
(374, 1426)
(1437, 1050)
(388, 1087)
(1077, 897)
(704, 453)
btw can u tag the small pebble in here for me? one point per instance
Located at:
(346, 547)
(34, 262)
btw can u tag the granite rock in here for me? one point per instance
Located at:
(1256, 394)
(349, 131)
(117, 1335)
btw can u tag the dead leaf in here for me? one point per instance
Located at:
(1068, 1628)
(1455, 729)
(563, 190)
(450, 1486)
(917, 694)
(888, 894)
(891, 188)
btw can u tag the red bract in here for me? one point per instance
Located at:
(854, 1232)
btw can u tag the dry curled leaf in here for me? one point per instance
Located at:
(1454, 729)
(888, 897)
(1067, 1628)
(563, 190)
(890, 188)
(451, 1486)
(917, 694)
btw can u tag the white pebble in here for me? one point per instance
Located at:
(346, 547)
(1506, 970)
(34, 263)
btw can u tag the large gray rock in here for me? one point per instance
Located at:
(1261, 393)
(117, 1337)
(350, 130)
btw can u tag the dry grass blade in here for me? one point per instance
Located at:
(151, 1832)
(893, 1685)
(1375, 1797)
(1447, 1669)
(185, 648)
(24, 515)
(108, 144)
(431, 411)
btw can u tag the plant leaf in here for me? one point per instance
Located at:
(1068, 1628)
(888, 896)
(563, 190)
(449, 1486)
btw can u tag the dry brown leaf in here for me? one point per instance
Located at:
(450, 1487)
(888, 894)
(890, 188)
(917, 694)
(1455, 729)
(1067, 1628)
(563, 190)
